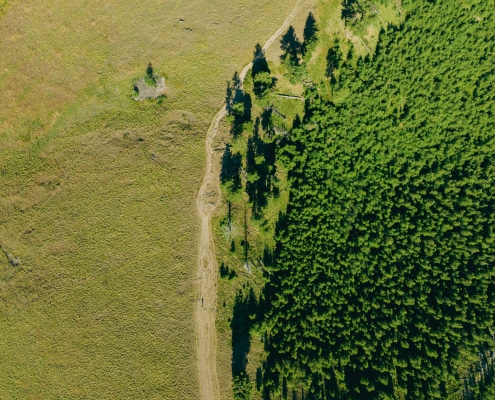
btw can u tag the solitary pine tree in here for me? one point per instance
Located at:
(149, 71)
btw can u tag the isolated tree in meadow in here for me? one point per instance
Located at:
(149, 71)
(258, 51)
(231, 168)
(266, 119)
(234, 92)
(350, 8)
(310, 29)
(238, 105)
(263, 81)
(260, 72)
(357, 9)
(334, 60)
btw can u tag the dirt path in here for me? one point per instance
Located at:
(209, 197)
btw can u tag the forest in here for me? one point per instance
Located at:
(382, 281)
(381, 284)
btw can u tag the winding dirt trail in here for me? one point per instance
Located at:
(209, 197)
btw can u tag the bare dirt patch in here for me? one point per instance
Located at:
(149, 92)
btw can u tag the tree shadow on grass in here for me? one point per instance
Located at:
(245, 310)
(242, 320)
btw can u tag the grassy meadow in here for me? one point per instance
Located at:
(97, 191)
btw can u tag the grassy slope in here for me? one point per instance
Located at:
(98, 192)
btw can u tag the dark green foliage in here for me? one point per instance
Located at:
(260, 72)
(242, 320)
(310, 31)
(293, 51)
(243, 317)
(310, 35)
(266, 120)
(353, 10)
(350, 8)
(384, 265)
(478, 384)
(335, 59)
(260, 168)
(263, 82)
(238, 111)
(260, 64)
(231, 168)
(226, 272)
(238, 105)
(291, 47)
(248, 105)
(149, 71)
(297, 122)
(242, 387)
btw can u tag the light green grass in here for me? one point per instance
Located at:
(97, 192)
(102, 306)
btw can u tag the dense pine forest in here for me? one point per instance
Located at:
(382, 281)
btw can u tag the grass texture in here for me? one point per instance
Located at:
(97, 191)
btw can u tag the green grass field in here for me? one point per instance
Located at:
(97, 191)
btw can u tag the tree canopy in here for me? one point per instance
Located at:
(383, 274)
